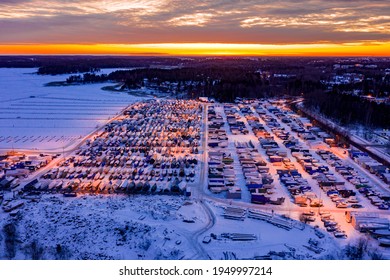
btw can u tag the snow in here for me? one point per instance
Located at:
(269, 238)
(107, 227)
(288, 208)
(374, 140)
(34, 116)
(115, 226)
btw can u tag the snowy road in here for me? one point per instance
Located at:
(198, 192)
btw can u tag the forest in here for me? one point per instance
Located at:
(66, 64)
(222, 79)
(225, 78)
(349, 109)
(228, 79)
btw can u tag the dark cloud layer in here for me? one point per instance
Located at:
(158, 21)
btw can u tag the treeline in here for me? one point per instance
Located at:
(376, 85)
(87, 78)
(65, 69)
(224, 81)
(221, 82)
(348, 109)
(54, 65)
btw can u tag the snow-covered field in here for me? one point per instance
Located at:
(268, 238)
(34, 116)
(146, 227)
(105, 227)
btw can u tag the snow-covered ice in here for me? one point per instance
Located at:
(35, 116)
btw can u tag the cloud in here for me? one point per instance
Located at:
(198, 19)
(246, 21)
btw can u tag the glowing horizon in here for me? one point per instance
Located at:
(202, 49)
(195, 27)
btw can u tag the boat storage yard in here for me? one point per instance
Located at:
(183, 179)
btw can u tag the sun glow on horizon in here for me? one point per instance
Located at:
(203, 49)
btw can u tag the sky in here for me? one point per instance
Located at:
(196, 27)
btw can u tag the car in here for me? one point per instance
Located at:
(356, 206)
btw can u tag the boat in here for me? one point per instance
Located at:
(310, 218)
(97, 176)
(154, 188)
(309, 213)
(342, 205)
(110, 187)
(324, 219)
(380, 233)
(131, 187)
(384, 241)
(70, 194)
(340, 234)
(175, 188)
(58, 185)
(319, 234)
(117, 185)
(8, 207)
(383, 206)
(146, 187)
(330, 223)
(95, 185)
(52, 185)
(138, 187)
(331, 228)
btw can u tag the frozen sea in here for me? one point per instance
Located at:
(35, 116)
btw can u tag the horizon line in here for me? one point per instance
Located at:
(321, 49)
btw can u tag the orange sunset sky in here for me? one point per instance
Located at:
(194, 27)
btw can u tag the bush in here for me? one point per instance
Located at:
(10, 236)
